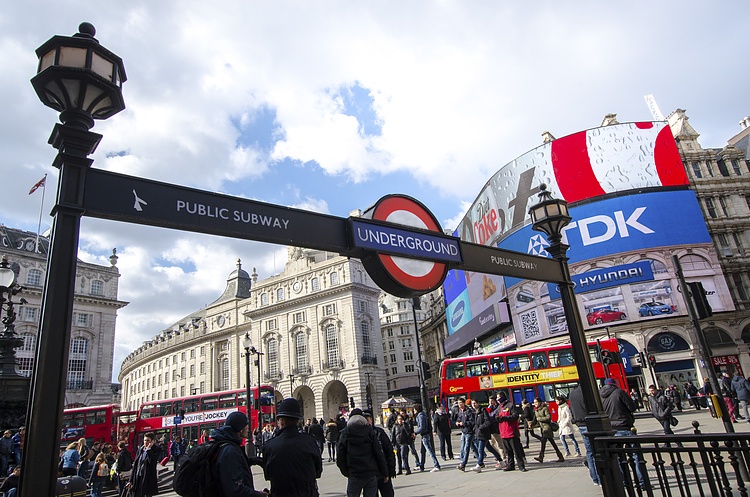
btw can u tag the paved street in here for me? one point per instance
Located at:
(541, 479)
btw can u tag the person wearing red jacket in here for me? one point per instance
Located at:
(507, 416)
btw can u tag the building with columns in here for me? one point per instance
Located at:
(315, 324)
(95, 309)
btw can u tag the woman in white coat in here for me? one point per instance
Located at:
(565, 420)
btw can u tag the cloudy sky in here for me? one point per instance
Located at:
(330, 105)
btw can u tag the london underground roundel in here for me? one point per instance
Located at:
(404, 276)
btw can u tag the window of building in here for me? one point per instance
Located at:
(329, 309)
(182, 356)
(314, 284)
(202, 368)
(722, 167)
(334, 278)
(693, 261)
(390, 332)
(81, 320)
(279, 294)
(366, 342)
(97, 287)
(332, 345)
(182, 391)
(272, 324)
(406, 343)
(298, 317)
(736, 167)
(300, 345)
(723, 240)
(391, 345)
(77, 360)
(203, 350)
(25, 354)
(393, 357)
(409, 368)
(272, 354)
(739, 286)
(394, 370)
(28, 314)
(174, 392)
(263, 299)
(710, 207)
(710, 168)
(192, 353)
(408, 356)
(174, 375)
(224, 347)
(203, 387)
(362, 305)
(192, 370)
(34, 277)
(696, 169)
(225, 372)
(723, 205)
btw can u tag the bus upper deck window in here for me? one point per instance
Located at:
(497, 365)
(454, 371)
(539, 360)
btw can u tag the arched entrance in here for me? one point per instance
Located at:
(335, 399)
(306, 399)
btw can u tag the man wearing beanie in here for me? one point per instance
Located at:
(360, 457)
(291, 460)
(385, 483)
(620, 407)
(232, 468)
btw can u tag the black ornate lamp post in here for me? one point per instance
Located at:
(247, 343)
(14, 388)
(550, 216)
(83, 81)
(257, 353)
(416, 303)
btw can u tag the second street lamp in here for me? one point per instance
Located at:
(247, 343)
(550, 216)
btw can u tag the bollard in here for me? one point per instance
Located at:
(70, 486)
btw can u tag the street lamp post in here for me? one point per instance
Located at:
(257, 353)
(291, 384)
(247, 343)
(83, 81)
(368, 395)
(550, 216)
(416, 304)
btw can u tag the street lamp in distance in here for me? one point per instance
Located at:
(82, 80)
(247, 344)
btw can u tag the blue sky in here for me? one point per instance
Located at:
(330, 105)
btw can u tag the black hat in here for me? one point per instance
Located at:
(289, 408)
(367, 413)
(355, 412)
(237, 420)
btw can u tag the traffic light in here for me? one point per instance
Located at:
(702, 306)
(606, 357)
(652, 360)
(426, 369)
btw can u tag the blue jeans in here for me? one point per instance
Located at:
(564, 440)
(636, 459)
(367, 486)
(480, 449)
(97, 488)
(467, 444)
(589, 454)
(427, 447)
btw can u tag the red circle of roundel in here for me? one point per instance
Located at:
(392, 205)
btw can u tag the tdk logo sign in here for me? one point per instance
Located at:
(609, 226)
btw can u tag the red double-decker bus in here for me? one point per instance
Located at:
(189, 416)
(543, 372)
(95, 424)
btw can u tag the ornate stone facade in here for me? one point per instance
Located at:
(94, 316)
(316, 325)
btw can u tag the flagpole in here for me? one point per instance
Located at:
(41, 209)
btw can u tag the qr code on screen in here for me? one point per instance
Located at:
(530, 325)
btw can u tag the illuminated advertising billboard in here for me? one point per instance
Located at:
(627, 188)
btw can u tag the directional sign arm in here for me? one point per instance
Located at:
(493, 260)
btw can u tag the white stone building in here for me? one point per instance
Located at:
(316, 324)
(95, 309)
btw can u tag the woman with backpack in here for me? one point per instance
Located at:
(99, 475)
(123, 466)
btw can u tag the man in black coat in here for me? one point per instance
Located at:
(143, 481)
(385, 484)
(441, 424)
(316, 431)
(291, 460)
(360, 457)
(620, 407)
(578, 410)
(232, 467)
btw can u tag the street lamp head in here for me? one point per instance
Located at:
(550, 215)
(247, 343)
(7, 277)
(79, 78)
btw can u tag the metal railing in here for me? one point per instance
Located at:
(80, 385)
(369, 359)
(697, 464)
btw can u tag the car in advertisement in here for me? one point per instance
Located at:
(654, 309)
(599, 315)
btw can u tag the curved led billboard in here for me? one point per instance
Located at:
(627, 188)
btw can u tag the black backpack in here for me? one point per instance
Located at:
(192, 477)
(125, 461)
